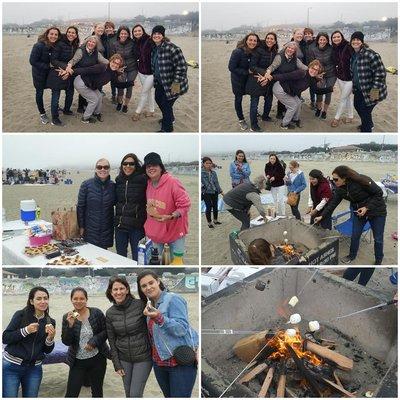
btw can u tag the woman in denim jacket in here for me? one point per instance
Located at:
(169, 328)
(296, 183)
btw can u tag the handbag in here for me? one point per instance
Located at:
(292, 198)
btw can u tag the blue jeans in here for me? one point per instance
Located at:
(178, 246)
(166, 107)
(28, 377)
(123, 237)
(238, 107)
(39, 101)
(364, 111)
(378, 229)
(176, 381)
(55, 98)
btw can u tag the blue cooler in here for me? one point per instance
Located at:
(28, 210)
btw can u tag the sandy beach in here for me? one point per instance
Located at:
(55, 375)
(20, 112)
(51, 197)
(215, 242)
(218, 113)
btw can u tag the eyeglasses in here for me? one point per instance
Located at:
(335, 179)
(100, 167)
(128, 164)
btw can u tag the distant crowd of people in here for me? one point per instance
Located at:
(12, 176)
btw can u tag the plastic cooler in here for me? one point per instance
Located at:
(28, 210)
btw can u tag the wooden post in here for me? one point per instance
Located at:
(267, 382)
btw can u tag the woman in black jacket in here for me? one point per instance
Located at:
(239, 64)
(128, 337)
(84, 331)
(95, 207)
(28, 338)
(40, 61)
(63, 51)
(110, 37)
(130, 210)
(367, 204)
(261, 59)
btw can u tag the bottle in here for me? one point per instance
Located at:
(166, 255)
(155, 257)
(177, 258)
(38, 212)
(142, 252)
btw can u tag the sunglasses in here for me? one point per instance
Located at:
(335, 179)
(100, 167)
(128, 164)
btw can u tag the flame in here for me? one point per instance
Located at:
(279, 342)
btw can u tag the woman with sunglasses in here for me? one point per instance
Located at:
(28, 338)
(366, 204)
(130, 210)
(95, 207)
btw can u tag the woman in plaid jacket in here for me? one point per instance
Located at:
(170, 76)
(369, 80)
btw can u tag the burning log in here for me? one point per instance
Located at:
(247, 348)
(267, 382)
(254, 372)
(341, 361)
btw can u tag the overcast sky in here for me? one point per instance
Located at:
(42, 151)
(31, 12)
(223, 16)
(211, 144)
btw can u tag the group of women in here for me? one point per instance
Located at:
(138, 334)
(286, 185)
(145, 199)
(259, 69)
(61, 62)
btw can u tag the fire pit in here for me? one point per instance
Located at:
(349, 358)
(305, 244)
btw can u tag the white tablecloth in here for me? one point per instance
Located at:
(19, 225)
(13, 254)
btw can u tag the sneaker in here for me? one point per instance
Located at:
(346, 260)
(266, 118)
(57, 122)
(80, 110)
(119, 106)
(297, 123)
(211, 226)
(255, 128)
(288, 126)
(98, 117)
(44, 119)
(377, 262)
(113, 99)
(317, 113)
(90, 120)
(243, 125)
(67, 112)
(125, 109)
(217, 223)
(323, 115)
(359, 127)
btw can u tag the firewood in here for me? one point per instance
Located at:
(290, 393)
(247, 348)
(255, 371)
(280, 391)
(267, 382)
(339, 388)
(335, 375)
(341, 361)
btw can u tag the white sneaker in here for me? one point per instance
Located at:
(44, 119)
(243, 125)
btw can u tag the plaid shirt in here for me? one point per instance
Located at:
(172, 67)
(171, 362)
(371, 73)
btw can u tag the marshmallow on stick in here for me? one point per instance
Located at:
(293, 301)
(295, 319)
(313, 326)
(291, 332)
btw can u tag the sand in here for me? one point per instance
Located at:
(55, 375)
(51, 197)
(20, 112)
(217, 108)
(215, 242)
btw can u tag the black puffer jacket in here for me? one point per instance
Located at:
(130, 210)
(40, 61)
(108, 43)
(95, 211)
(70, 336)
(129, 52)
(127, 332)
(239, 67)
(63, 52)
(359, 196)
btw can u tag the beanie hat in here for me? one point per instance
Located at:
(158, 29)
(152, 159)
(357, 35)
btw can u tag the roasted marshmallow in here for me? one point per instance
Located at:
(291, 332)
(293, 301)
(295, 318)
(313, 326)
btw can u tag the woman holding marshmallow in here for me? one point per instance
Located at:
(84, 331)
(28, 338)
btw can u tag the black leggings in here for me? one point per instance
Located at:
(92, 368)
(365, 275)
(211, 200)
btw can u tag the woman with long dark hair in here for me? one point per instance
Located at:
(239, 169)
(128, 337)
(63, 51)
(367, 205)
(274, 173)
(238, 66)
(169, 330)
(130, 209)
(84, 331)
(40, 61)
(320, 194)
(28, 338)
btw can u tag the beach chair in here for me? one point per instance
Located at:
(345, 226)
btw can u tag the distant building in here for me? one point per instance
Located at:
(349, 148)
(9, 275)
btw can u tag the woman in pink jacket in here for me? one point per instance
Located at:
(168, 206)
